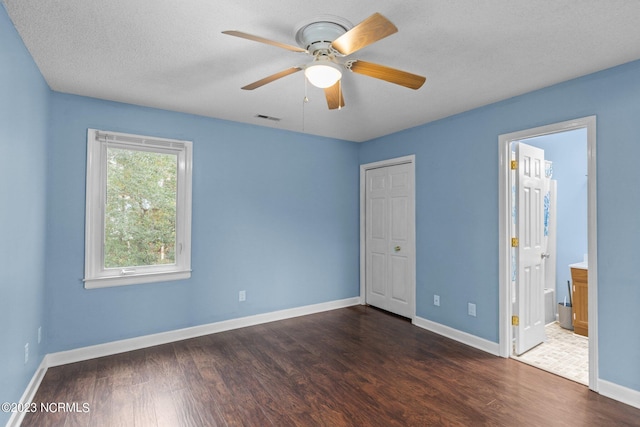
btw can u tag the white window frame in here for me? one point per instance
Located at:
(95, 274)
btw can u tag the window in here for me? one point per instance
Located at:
(138, 209)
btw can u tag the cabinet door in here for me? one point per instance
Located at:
(580, 301)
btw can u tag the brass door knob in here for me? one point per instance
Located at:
(397, 248)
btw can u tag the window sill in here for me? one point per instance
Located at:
(106, 282)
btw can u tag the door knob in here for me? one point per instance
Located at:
(397, 248)
(543, 255)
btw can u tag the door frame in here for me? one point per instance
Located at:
(411, 160)
(505, 297)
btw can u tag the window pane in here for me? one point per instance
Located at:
(140, 215)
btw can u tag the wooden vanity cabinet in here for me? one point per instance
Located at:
(580, 301)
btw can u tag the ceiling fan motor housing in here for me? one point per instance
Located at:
(317, 34)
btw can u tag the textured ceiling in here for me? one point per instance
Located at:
(171, 54)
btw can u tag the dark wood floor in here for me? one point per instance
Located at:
(350, 367)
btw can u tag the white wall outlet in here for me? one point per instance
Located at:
(39, 334)
(436, 300)
(472, 309)
(242, 296)
(26, 353)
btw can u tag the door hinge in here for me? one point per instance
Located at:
(514, 242)
(514, 165)
(515, 320)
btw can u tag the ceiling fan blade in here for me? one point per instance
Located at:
(263, 40)
(334, 96)
(271, 78)
(392, 75)
(372, 29)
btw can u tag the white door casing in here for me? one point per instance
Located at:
(530, 277)
(504, 258)
(389, 240)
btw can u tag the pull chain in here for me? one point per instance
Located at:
(305, 100)
(305, 89)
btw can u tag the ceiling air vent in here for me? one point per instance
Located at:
(262, 116)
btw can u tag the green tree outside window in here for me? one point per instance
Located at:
(140, 214)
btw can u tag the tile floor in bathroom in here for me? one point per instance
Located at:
(564, 353)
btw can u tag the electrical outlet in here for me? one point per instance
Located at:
(242, 296)
(39, 334)
(26, 353)
(472, 309)
(436, 300)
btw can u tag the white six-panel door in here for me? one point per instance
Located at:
(389, 252)
(529, 252)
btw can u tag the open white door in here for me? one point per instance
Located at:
(529, 306)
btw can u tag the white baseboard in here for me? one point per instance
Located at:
(456, 335)
(115, 347)
(621, 394)
(29, 393)
(608, 389)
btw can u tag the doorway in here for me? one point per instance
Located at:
(509, 292)
(387, 235)
(558, 344)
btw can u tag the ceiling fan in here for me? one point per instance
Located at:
(329, 39)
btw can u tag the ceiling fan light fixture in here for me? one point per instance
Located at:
(323, 75)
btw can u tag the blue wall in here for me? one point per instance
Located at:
(274, 213)
(24, 112)
(457, 207)
(568, 151)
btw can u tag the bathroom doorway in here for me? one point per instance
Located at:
(563, 247)
(532, 328)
